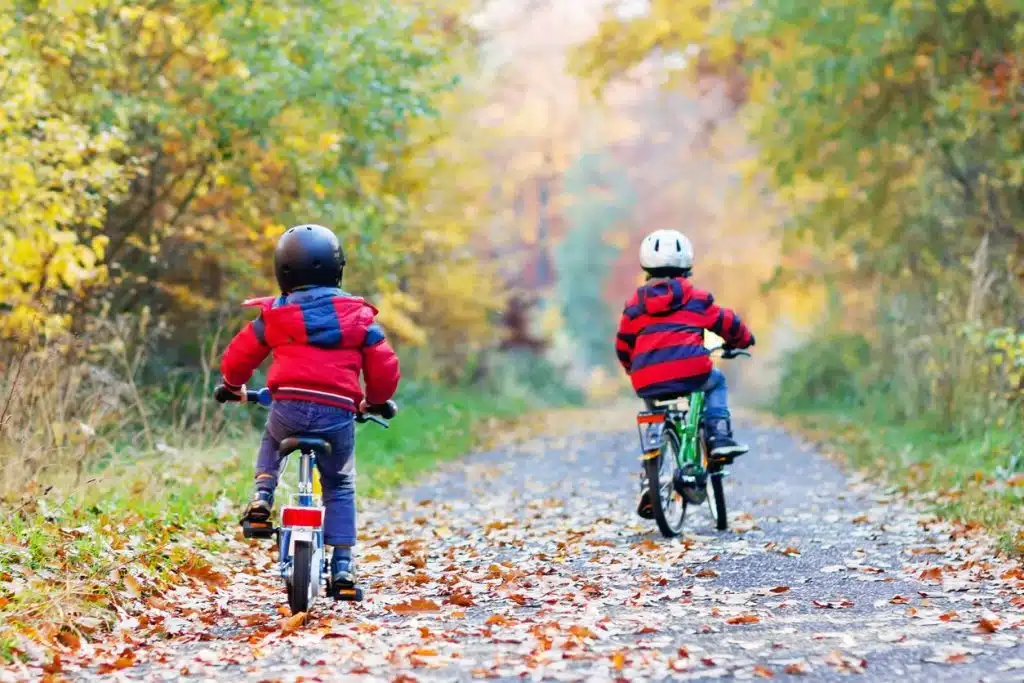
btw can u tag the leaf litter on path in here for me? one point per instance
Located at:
(544, 572)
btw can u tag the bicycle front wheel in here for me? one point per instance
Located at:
(669, 507)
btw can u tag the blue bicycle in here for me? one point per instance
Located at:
(303, 563)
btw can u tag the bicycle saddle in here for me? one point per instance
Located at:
(304, 443)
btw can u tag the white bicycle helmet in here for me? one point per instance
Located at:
(666, 249)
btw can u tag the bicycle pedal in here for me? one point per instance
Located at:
(354, 594)
(258, 529)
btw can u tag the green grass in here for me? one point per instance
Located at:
(966, 477)
(58, 565)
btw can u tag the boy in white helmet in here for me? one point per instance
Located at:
(661, 337)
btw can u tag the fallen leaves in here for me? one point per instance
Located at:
(125, 660)
(414, 606)
(833, 604)
(845, 663)
(747, 618)
(779, 589)
(293, 623)
(763, 672)
(987, 625)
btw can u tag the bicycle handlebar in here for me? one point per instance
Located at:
(379, 413)
(729, 352)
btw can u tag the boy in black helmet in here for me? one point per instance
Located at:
(321, 338)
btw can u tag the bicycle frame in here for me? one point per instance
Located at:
(684, 421)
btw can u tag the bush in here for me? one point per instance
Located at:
(825, 369)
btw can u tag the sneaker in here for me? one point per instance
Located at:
(721, 442)
(259, 507)
(343, 572)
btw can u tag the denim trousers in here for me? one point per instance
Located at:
(337, 471)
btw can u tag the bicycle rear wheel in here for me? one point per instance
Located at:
(669, 507)
(300, 590)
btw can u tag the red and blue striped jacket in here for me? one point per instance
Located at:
(321, 339)
(661, 337)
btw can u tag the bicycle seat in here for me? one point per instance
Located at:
(304, 443)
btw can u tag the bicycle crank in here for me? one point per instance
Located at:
(691, 483)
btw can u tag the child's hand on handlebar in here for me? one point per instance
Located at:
(225, 393)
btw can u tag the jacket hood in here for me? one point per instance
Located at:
(661, 296)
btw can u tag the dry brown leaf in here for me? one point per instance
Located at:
(498, 620)
(958, 658)
(618, 660)
(132, 587)
(790, 551)
(931, 574)
(763, 671)
(899, 600)
(795, 669)
(988, 625)
(743, 619)
(707, 574)
(125, 660)
(201, 570)
(461, 598)
(949, 616)
(414, 606)
(293, 623)
(69, 639)
(581, 632)
(645, 545)
(54, 666)
(779, 589)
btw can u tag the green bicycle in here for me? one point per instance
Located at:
(677, 466)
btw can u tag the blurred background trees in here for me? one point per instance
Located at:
(851, 175)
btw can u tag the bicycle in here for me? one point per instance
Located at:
(674, 436)
(302, 561)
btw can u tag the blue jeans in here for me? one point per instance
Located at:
(337, 471)
(716, 396)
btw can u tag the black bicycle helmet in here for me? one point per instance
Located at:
(308, 255)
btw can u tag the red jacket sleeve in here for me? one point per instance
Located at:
(380, 367)
(726, 324)
(625, 339)
(244, 354)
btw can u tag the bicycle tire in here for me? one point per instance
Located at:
(714, 470)
(668, 527)
(299, 590)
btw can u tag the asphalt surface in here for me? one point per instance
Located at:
(528, 561)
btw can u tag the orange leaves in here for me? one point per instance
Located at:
(746, 618)
(125, 660)
(201, 570)
(414, 606)
(293, 623)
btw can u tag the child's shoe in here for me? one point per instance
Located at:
(259, 507)
(343, 571)
(720, 439)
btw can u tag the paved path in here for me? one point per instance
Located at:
(528, 562)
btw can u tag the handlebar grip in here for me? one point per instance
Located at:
(386, 410)
(224, 395)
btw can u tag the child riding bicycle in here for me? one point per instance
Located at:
(320, 338)
(660, 342)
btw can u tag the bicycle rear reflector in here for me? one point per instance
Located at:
(650, 426)
(300, 516)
